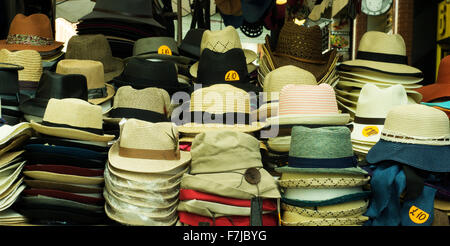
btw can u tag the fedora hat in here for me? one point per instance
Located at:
(150, 104)
(31, 62)
(98, 90)
(33, 32)
(9, 75)
(222, 41)
(441, 88)
(368, 76)
(190, 45)
(95, 47)
(415, 135)
(72, 118)
(164, 48)
(383, 53)
(373, 105)
(218, 107)
(301, 46)
(133, 152)
(54, 85)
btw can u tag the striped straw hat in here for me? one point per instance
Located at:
(31, 61)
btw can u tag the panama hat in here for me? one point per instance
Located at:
(441, 88)
(218, 107)
(415, 135)
(382, 52)
(31, 62)
(366, 76)
(72, 118)
(133, 152)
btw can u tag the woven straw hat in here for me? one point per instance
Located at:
(133, 152)
(74, 119)
(222, 41)
(30, 60)
(9, 133)
(150, 104)
(219, 107)
(95, 47)
(346, 209)
(295, 219)
(98, 91)
(33, 32)
(366, 76)
(382, 52)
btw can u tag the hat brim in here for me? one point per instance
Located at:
(117, 67)
(333, 171)
(110, 91)
(424, 157)
(145, 165)
(360, 74)
(267, 110)
(70, 133)
(64, 178)
(105, 16)
(340, 210)
(54, 46)
(199, 128)
(345, 198)
(383, 67)
(358, 136)
(434, 91)
(193, 70)
(295, 219)
(309, 119)
(8, 132)
(175, 58)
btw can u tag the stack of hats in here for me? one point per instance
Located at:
(381, 60)
(410, 174)
(190, 44)
(322, 184)
(437, 94)
(142, 177)
(227, 184)
(373, 105)
(123, 23)
(65, 165)
(9, 93)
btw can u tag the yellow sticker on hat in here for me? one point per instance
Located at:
(370, 131)
(417, 215)
(164, 50)
(231, 76)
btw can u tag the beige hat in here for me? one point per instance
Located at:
(135, 153)
(9, 133)
(30, 60)
(7, 158)
(98, 91)
(321, 180)
(74, 119)
(295, 219)
(354, 80)
(345, 209)
(64, 178)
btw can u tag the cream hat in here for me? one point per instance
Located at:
(30, 60)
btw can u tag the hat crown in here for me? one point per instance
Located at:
(152, 99)
(219, 99)
(59, 86)
(90, 47)
(375, 102)
(380, 42)
(139, 70)
(152, 44)
(307, 99)
(135, 7)
(30, 60)
(444, 71)
(309, 142)
(92, 70)
(416, 123)
(135, 134)
(214, 66)
(34, 25)
(221, 40)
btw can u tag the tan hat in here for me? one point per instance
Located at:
(98, 91)
(30, 60)
(134, 152)
(74, 119)
(345, 209)
(295, 219)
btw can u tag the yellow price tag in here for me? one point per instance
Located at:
(370, 131)
(231, 76)
(164, 50)
(417, 215)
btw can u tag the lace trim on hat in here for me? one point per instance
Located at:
(397, 137)
(313, 212)
(28, 40)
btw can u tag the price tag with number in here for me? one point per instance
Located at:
(164, 50)
(417, 215)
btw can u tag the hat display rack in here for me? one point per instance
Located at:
(136, 124)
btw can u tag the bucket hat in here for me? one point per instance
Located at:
(95, 47)
(72, 118)
(415, 135)
(31, 62)
(441, 88)
(164, 48)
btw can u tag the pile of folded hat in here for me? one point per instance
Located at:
(227, 184)
(381, 60)
(322, 184)
(124, 22)
(142, 177)
(65, 165)
(410, 177)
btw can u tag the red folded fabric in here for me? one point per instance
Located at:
(65, 169)
(194, 220)
(185, 146)
(188, 194)
(65, 195)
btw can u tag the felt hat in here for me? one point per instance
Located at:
(382, 52)
(441, 88)
(254, 10)
(31, 62)
(164, 48)
(95, 47)
(415, 135)
(72, 118)
(33, 32)
(133, 152)
(190, 45)
(9, 75)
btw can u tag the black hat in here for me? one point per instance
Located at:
(190, 45)
(9, 93)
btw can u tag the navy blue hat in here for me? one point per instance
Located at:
(254, 10)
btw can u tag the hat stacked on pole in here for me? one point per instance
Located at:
(143, 177)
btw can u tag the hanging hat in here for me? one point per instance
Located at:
(222, 41)
(254, 10)
(218, 107)
(164, 48)
(54, 85)
(190, 45)
(149, 104)
(133, 152)
(33, 32)
(301, 46)
(72, 118)
(441, 88)
(415, 135)
(31, 62)
(382, 52)
(95, 47)
(98, 90)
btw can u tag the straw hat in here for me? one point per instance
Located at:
(366, 76)
(74, 119)
(346, 209)
(31, 62)
(441, 88)
(295, 219)
(222, 41)
(95, 47)
(98, 91)
(219, 107)
(415, 135)
(9, 133)
(133, 152)
(382, 52)
(33, 32)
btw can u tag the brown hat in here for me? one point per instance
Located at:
(32, 32)
(229, 7)
(95, 47)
